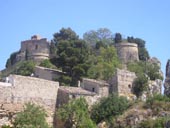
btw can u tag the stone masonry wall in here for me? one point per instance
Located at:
(28, 89)
(122, 82)
(99, 87)
(127, 52)
(36, 49)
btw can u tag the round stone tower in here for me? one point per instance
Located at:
(127, 52)
(36, 49)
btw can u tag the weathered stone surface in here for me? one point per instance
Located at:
(154, 87)
(47, 73)
(127, 52)
(122, 82)
(167, 79)
(99, 87)
(20, 90)
(36, 49)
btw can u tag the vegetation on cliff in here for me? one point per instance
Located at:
(75, 114)
(32, 116)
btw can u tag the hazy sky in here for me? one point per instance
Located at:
(146, 19)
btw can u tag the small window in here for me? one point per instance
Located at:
(36, 47)
(129, 86)
(73, 96)
(93, 89)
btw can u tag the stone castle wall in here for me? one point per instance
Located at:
(122, 82)
(47, 73)
(36, 49)
(23, 89)
(127, 51)
(99, 87)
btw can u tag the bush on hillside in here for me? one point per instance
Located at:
(32, 116)
(140, 85)
(109, 107)
(75, 114)
(26, 68)
(161, 122)
(47, 64)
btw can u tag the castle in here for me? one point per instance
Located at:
(42, 90)
(36, 49)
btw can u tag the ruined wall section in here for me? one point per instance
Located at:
(21, 89)
(122, 82)
(29, 89)
(99, 87)
(127, 52)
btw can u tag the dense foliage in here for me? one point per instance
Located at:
(47, 64)
(109, 107)
(161, 122)
(158, 103)
(77, 59)
(140, 85)
(75, 114)
(105, 64)
(102, 35)
(147, 68)
(72, 54)
(143, 53)
(32, 116)
(25, 69)
(144, 71)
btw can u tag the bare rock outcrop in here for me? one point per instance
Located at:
(167, 80)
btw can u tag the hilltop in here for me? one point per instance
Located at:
(99, 65)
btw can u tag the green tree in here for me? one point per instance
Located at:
(109, 107)
(143, 70)
(72, 54)
(26, 68)
(103, 35)
(75, 114)
(106, 64)
(143, 53)
(140, 85)
(65, 34)
(147, 68)
(32, 116)
(118, 38)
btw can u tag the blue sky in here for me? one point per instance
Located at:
(146, 19)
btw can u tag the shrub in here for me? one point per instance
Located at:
(31, 117)
(108, 107)
(76, 114)
(140, 85)
(158, 103)
(47, 64)
(26, 68)
(160, 122)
